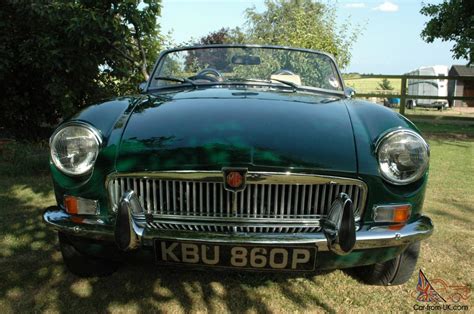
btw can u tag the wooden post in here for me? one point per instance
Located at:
(403, 95)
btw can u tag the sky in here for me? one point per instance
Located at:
(390, 41)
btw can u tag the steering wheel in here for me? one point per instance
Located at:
(205, 75)
(283, 72)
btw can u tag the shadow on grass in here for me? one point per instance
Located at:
(449, 139)
(463, 215)
(22, 158)
(34, 277)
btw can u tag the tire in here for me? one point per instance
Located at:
(396, 271)
(81, 264)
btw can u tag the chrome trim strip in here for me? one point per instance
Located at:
(94, 228)
(253, 177)
(375, 237)
(176, 219)
(96, 132)
(260, 224)
(391, 132)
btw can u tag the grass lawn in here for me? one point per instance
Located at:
(460, 131)
(33, 277)
(371, 85)
(449, 113)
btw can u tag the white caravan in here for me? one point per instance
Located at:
(424, 87)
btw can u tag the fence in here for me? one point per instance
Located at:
(403, 88)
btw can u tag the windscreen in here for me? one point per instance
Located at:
(220, 65)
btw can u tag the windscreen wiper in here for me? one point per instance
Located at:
(239, 79)
(176, 79)
(293, 85)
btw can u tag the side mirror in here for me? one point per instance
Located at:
(142, 87)
(349, 92)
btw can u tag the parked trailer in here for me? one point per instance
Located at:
(422, 87)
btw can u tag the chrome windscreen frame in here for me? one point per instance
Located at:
(158, 63)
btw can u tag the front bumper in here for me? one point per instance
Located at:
(366, 238)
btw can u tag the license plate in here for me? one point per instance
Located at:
(243, 256)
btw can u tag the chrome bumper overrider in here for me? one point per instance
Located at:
(374, 237)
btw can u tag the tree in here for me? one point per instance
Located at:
(302, 23)
(385, 85)
(222, 36)
(451, 20)
(57, 56)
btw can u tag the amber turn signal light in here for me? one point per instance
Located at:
(70, 203)
(80, 206)
(392, 213)
(401, 213)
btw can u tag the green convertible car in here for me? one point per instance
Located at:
(245, 157)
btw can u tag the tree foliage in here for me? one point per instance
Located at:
(451, 20)
(302, 23)
(385, 85)
(299, 23)
(223, 36)
(57, 56)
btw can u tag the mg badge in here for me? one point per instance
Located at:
(234, 179)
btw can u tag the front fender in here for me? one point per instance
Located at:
(109, 118)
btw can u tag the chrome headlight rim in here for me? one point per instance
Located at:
(384, 137)
(96, 135)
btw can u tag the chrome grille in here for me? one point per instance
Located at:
(269, 203)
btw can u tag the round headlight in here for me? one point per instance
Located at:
(403, 157)
(74, 148)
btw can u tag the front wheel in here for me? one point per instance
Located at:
(396, 271)
(81, 264)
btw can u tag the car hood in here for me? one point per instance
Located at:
(220, 127)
